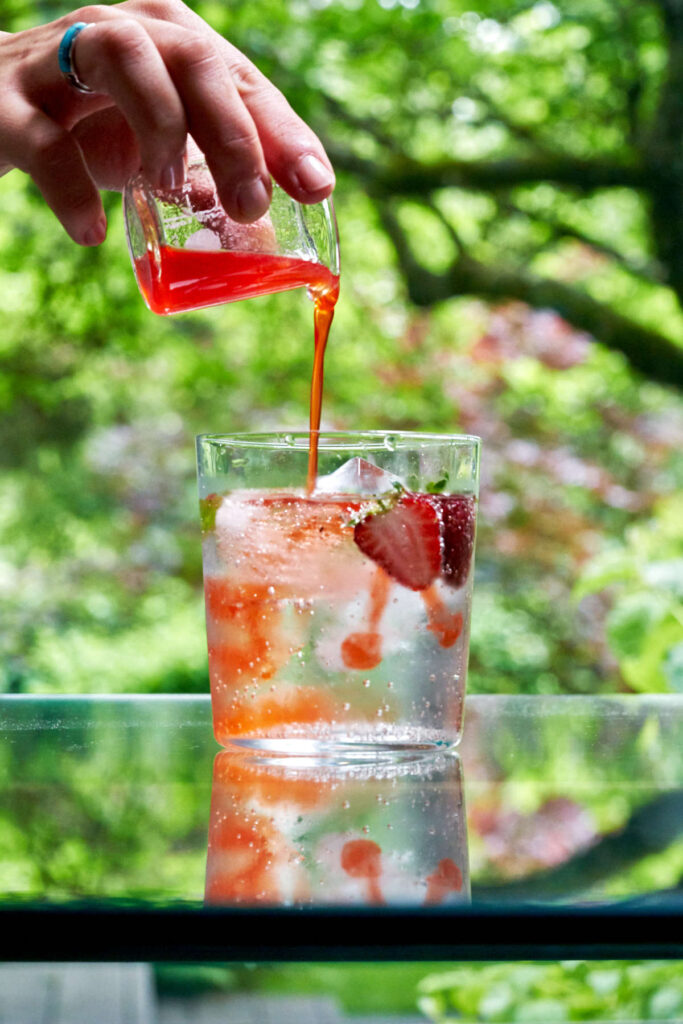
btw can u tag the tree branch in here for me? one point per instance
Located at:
(651, 353)
(649, 271)
(409, 177)
(521, 132)
(369, 125)
(663, 153)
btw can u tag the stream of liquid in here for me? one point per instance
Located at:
(194, 278)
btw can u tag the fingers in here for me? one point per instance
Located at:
(117, 57)
(218, 121)
(169, 84)
(158, 72)
(293, 154)
(49, 154)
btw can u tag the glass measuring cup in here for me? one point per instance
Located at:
(188, 253)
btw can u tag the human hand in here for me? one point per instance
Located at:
(158, 72)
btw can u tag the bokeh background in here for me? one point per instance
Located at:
(510, 203)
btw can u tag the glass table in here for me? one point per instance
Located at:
(126, 833)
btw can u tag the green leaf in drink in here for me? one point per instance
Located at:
(207, 511)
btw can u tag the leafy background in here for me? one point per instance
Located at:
(509, 193)
(580, 548)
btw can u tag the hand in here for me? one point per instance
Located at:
(158, 71)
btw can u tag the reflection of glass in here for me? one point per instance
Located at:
(188, 253)
(295, 831)
(338, 621)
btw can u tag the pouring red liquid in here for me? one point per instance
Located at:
(194, 278)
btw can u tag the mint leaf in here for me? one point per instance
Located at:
(438, 486)
(207, 511)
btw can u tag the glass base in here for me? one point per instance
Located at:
(341, 751)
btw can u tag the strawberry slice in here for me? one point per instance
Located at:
(404, 540)
(457, 513)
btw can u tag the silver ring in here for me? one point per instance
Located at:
(65, 56)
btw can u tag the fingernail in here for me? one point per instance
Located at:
(173, 174)
(97, 233)
(312, 174)
(253, 198)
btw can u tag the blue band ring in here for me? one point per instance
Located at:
(65, 56)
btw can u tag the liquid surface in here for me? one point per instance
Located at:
(187, 279)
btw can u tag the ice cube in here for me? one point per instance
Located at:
(358, 476)
(204, 239)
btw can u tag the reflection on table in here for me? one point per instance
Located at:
(296, 831)
(570, 801)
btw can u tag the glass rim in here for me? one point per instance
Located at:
(339, 440)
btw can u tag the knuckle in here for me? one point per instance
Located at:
(242, 150)
(93, 13)
(123, 40)
(247, 78)
(194, 53)
(162, 10)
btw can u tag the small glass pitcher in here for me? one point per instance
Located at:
(188, 253)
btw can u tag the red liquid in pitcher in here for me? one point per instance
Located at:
(194, 278)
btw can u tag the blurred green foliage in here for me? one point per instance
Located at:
(580, 541)
(99, 400)
(525, 993)
(548, 993)
(645, 623)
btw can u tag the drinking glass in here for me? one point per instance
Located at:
(338, 617)
(188, 253)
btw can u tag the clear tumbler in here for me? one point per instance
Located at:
(338, 618)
